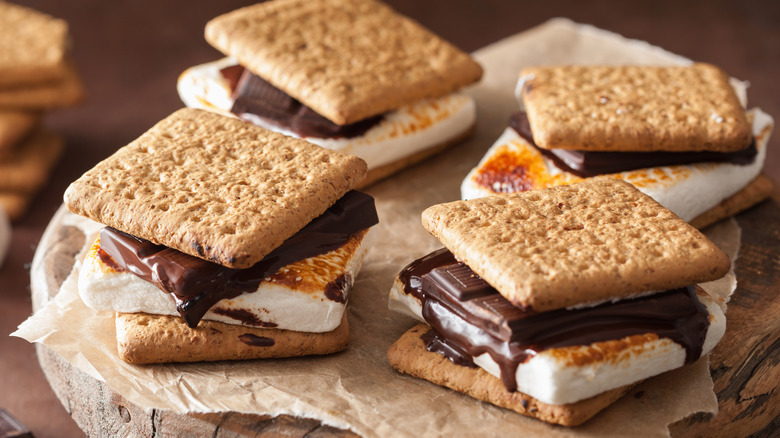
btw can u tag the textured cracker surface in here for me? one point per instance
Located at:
(613, 108)
(214, 187)
(144, 338)
(591, 241)
(32, 45)
(346, 59)
(26, 168)
(66, 91)
(14, 125)
(753, 193)
(409, 355)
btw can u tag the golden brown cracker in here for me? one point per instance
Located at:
(214, 187)
(345, 59)
(753, 193)
(67, 91)
(32, 46)
(15, 204)
(586, 242)
(144, 339)
(14, 126)
(636, 108)
(409, 355)
(27, 167)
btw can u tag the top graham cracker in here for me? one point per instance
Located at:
(214, 187)
(634, 108)
(345, 59)
(598, 240)
(32, 46)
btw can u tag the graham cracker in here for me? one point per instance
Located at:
(597, 240)
(66, 91)
(32, 46)
(214, 187)
(345, 59)
(409, 355)
(15, 125)
(27, 167)
(634, 108)
(15, 204)
(144, 339)
(753, 193)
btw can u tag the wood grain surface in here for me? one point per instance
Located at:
(745, 365)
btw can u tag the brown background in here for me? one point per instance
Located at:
(131, 52)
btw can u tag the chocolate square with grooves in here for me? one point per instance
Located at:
(461, 290)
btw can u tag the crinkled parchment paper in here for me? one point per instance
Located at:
(357, 389)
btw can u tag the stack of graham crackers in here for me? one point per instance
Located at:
(36, 74)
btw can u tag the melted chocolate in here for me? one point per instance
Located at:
(256, 341)
(588, 163)
(245, 316)
(436, 344)
(196, 284)
(338, 289)
(255, 97)
(485, 322)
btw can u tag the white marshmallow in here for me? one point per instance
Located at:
(687, 190)
(551, 377)
(293, 298)
(401, 133)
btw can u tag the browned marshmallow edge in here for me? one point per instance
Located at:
(598, 240)
(345, 59)
(637, 108)
(214, 187)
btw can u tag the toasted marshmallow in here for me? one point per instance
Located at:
(687, 190)
(401, 133)
(296, 297)
(204, 87)
(569, 374)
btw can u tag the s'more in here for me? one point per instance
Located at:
(36, 67)
(680, 134)
(350, 75)
(223, 240)
(37, 73)
(555, 302)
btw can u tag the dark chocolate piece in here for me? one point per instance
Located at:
(245, 316)
(232, 74)
(485, 322)
(467, 295)
(254, 97)
(459, 281)
(256, 341)
(196, 284)
(591, 163)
